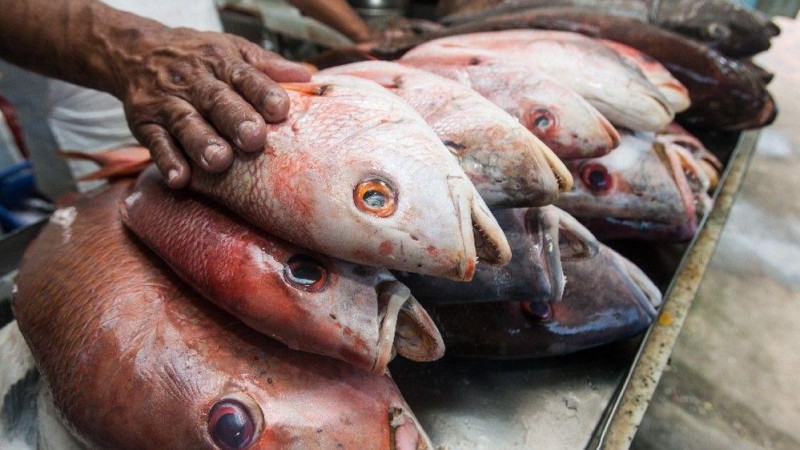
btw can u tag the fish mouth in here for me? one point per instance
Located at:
(560, 171)
(561, 238)
(676, 95)
(611, 134)
(406, 434)
(647, 294)
(405, 328)
(675, 167)
(481, 236)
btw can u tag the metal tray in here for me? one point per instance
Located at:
(592, 399)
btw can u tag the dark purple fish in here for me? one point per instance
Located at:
(606, 299)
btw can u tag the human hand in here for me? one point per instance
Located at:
(200, 94)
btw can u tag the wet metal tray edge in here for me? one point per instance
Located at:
(629, 406)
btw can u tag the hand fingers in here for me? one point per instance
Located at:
(267, 96)
(167, 156)
(271, 64)
(234, 117)
(196, 136)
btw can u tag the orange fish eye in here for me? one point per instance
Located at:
(306, 273)
(375, 196)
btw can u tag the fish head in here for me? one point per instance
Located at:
(362, 313)
(640, 188)
(587, 317)
(729, 27)
(565, 121)
(406, 203)
(407, 212)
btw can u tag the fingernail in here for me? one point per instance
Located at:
(172, 175)
(249, 136)
(244, 131)
(212, 154)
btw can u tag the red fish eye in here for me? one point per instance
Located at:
(376, 196)
(596, 177)
(540, 120)
(306, 272)
(230, 426)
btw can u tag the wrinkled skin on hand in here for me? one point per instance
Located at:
(205, 94)
(185, 91)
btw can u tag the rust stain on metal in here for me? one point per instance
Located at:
(666, 319)
(657, 347)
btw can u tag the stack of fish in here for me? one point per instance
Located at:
(262, 306)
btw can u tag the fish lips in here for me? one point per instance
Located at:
(405, 328)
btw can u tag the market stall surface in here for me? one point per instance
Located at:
(732, 382)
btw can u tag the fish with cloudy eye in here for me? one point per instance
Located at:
(541, 239)
(508, 165)
(606, 299)
(134, 359)
(308, 301)
(556, 114)
(723, 25)
(609, 83)
(640, 190)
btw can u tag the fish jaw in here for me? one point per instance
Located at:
(644, 290)
(405, 328)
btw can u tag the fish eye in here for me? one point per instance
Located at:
(306, 272)
(540, 120)
(718, 30)
(230, 425)
(538, 311)
(376, 196)
(596, 177)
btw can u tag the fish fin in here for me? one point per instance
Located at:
(306, 88)
(118, 163)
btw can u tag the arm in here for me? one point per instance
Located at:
(183, 90)
(337, 14)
